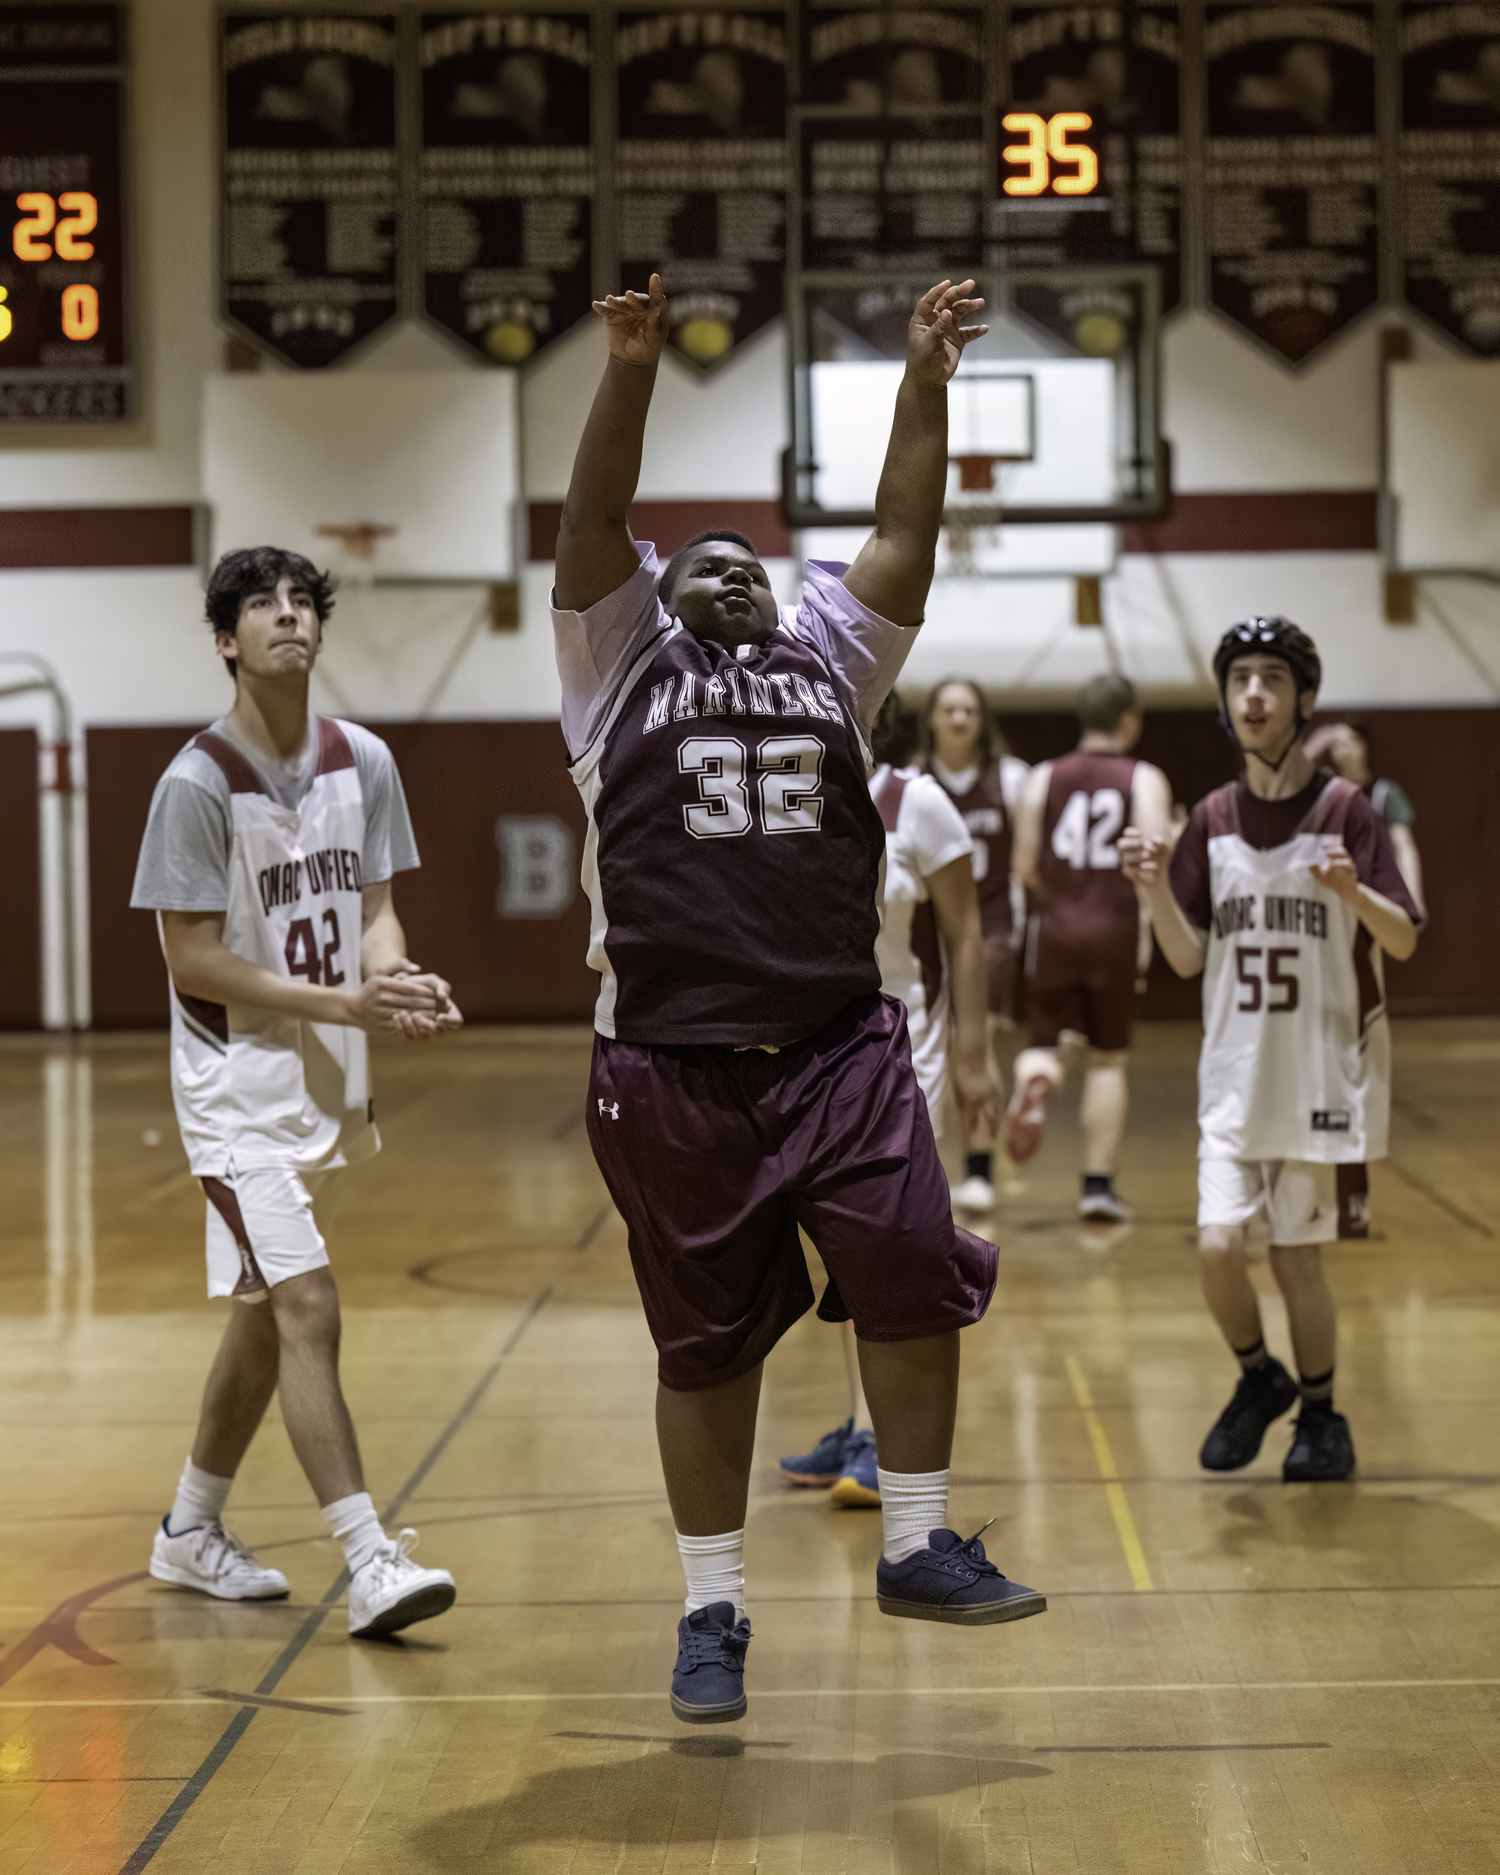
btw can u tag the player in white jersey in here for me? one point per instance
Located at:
(1283, 891)
(268, 858)
(931, 953)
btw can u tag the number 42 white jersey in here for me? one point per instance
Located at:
(1296, 1048)
(252, 1087)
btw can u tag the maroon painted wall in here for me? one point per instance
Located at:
(20, 882)
(461, 778)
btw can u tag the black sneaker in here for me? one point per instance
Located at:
(708, 1682)
(1322, 1451)
(1237, 1433)
(951, 1580)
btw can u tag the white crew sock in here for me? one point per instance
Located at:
(715, 1570)
(201, 1497)
(911, 1504)
(355, 1527)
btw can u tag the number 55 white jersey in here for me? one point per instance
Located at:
(1296, 1048)
(252, 1087)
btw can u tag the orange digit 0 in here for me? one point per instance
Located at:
(80, 312)
(1087, 178)
(38, 213)
(1032, 153)
(82, 218)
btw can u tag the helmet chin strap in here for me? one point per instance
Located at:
(1299, 729)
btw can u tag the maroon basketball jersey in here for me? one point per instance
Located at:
(988, 821)
(1087, 903)
(738, 848)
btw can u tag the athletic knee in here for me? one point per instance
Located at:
(307, 1308)
(1100, 1059)
(1297, 1266)
(1220, 1245)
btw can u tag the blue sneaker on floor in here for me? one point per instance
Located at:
(824, 1464)
(708, 1682)
(859, 1482)
(950, 1580)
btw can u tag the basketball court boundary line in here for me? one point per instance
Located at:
(1109, 1471)
(195, 1786)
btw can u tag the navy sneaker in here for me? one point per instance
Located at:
(1264, 1394)
(708, 1682)
(859, 1482)
(824, 1464)
(1322, 1451)
(950, 1580)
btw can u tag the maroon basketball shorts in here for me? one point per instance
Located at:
(1088, 990)
(715, 1156)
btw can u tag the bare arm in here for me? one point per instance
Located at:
(394, 998)
(955, 900)
(1144, 859)
(1151, 801)
(894, 568)
(595, 552)
(1386, 922)
(1026, 848)
(1409, 861)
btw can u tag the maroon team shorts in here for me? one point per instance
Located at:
(715, 1156)
(1088, 991)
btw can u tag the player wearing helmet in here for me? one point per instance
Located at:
(1284, 892)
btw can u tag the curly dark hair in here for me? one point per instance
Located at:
(674, 566)
(249, 570)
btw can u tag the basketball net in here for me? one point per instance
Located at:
(966, 541)
(353, 558)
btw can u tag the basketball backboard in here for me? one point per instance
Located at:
(1053, 416)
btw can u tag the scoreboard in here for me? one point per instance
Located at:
(64, 354)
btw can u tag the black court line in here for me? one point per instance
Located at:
(240, 1723)
(1321, 1745)
(286, 1705)
(679, 1738)
(1436, 1198)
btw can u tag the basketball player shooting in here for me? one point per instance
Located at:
(268, 858)
(1283, 891)
(748, 1075)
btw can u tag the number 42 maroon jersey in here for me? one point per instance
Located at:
(733, 855)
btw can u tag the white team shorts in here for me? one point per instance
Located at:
(1289, 1201)
(264, 1225)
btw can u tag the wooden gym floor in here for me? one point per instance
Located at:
(1232, 1673)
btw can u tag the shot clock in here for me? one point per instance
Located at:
(63, 343)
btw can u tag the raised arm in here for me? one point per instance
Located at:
(1145, 859)
(894, 568)
(595, 553)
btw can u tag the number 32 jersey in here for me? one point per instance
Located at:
(733, 855)
(1296, 1048)
(251, 1087)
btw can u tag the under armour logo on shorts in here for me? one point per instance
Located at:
(613, 1112)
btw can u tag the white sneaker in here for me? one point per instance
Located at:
(208, 1558)
(974, 1194)
(1103, 1207)
(390, 1591)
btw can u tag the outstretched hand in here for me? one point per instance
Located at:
(636, 324)
(1144, 858)
(1337, 871)
(936, 337)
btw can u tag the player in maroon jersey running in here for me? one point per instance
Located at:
(1084, 942)
(748, 1075)
(965, 758)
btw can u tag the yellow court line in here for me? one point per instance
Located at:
(1092, 1688)
(1114, 1491)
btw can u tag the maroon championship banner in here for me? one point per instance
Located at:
(701, 170)
(1450, 168)
(1090, 152)
(1292, 173)
(309, 247)
(506, 178)
(892, 144)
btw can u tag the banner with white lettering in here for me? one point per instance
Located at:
(701, 169)
(1292, 172)
(309, 248)
(507, 178)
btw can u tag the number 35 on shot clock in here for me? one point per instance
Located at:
(1048, 158)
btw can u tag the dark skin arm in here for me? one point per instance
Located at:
(595, 552)
(894, 568)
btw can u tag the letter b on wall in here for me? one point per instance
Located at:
(538, 866)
